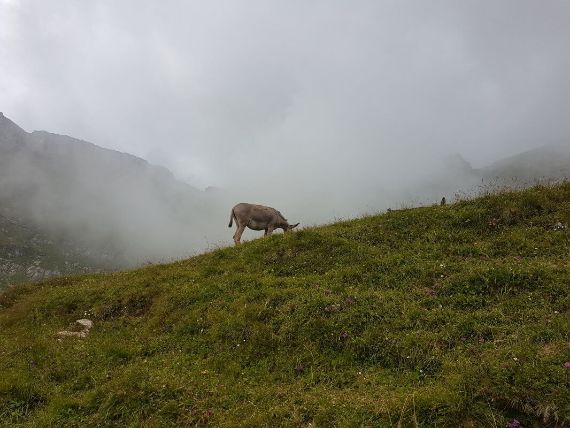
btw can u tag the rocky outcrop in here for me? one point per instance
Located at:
(27, 254)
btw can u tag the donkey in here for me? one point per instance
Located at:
(257, 217)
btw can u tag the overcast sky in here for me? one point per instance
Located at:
(291, 93)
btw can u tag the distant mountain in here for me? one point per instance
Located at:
(118, 206)
(457, 176)
(550, 162)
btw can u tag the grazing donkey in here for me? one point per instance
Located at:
(257, 217)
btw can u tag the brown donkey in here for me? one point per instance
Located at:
(257, 217)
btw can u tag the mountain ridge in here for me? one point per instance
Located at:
(106, 201)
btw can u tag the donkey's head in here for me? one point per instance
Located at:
(288, 227)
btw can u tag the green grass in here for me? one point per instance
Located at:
(436, 316)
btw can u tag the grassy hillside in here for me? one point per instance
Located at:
(447, 316)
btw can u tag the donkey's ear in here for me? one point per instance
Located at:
(294, 226)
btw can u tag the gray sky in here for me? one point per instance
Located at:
(278, 95)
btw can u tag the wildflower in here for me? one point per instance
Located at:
(513, 424)
(567, 364)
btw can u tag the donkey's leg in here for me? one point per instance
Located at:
(238, 234)
(269, 231)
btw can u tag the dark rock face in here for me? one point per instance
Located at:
(27, 254)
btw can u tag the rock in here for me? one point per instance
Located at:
(79, 328)
(73, 333)
(85, 322)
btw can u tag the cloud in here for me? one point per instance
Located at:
(289, 98)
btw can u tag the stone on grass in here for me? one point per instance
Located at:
(79, 328)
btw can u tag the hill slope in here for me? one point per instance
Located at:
(454, 315)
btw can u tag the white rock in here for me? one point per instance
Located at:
(85, 323)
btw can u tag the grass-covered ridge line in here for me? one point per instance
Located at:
(455, 315)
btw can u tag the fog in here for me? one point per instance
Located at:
(324, 109)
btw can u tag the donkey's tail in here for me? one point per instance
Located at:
(231, 219)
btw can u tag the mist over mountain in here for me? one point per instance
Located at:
(112, 202)
(457, 177)
(96, 208)
(549, 162)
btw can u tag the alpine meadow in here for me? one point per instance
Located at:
(436, 316)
